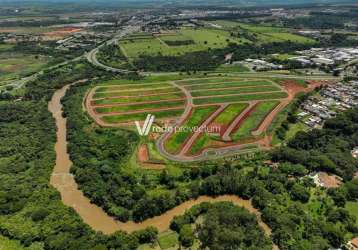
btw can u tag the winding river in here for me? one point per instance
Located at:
(93, 215)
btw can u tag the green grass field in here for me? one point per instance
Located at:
(206, 80)
(202, 142)
(352, 207)
(116, 86)
(254, 120)
(7, 244)
(126, 108)
(135, 93)
(168, 240)
(234, 91)
(15, 66)
(197, 117)
(227, 116)
(203, 39)
(241, 98)
(139, 99)
(6, 47)
(228, 85)
(230, 113)
(161, 90)
(142, 116)
(134, 87)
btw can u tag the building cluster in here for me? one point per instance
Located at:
(325, 180)
(199, 13)
(260, 64)
(328, 56)
(332, 99)
(17, 38)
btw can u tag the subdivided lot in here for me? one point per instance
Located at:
(233, 91)
(205, 80)
(223, 120)
(254, 119)
(197, 117)
(137, 92)
(142, 116)
(116, 85)
(145, 106)
(227, 84)
(230, 113)
(205, 140)
(139, 99)
(240, 98)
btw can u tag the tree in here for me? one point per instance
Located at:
(186, 236)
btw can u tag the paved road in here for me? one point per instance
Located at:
(92, 55)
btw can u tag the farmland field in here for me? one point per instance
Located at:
(200, 39)
(185, 40)
(235, 107)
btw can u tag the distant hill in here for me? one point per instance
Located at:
(187, 2)
(251, 2)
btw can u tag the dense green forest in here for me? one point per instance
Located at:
(223, 226)
(112, 55)
(328, 149)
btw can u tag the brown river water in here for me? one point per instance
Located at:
(93, 215)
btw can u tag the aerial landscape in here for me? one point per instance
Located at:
(165, 125)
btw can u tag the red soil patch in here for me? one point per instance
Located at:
(62, 32)
(329, 181)
(143, 154)
(217, 128)
(144, 159)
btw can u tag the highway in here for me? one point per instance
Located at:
(92, 55)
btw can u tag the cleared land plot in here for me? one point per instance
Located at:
(126, 108)
(229, 114)
(224, 119)
(142, 116)
(201, 143)
(227, 85)
(234, 91)
(139, 99)
(136, 92)
(254, 120)
(240, 98)
(205, 80)
(124, 87)
(196, 118)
